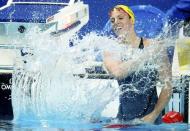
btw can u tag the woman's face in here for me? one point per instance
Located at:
(121, 23)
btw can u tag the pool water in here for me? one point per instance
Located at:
(61, 126)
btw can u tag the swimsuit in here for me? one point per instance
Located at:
(138, 94)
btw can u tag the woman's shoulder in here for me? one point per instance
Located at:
(148, 42)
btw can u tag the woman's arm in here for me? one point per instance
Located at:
(165, 76)
(114, 65)
(120, 69)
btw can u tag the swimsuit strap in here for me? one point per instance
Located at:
(141, 45)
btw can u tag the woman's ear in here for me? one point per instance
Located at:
(131, 21)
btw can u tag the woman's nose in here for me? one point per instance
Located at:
(116, 22)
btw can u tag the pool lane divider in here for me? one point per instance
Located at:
(117, 126)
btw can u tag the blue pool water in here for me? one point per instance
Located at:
(60, 126)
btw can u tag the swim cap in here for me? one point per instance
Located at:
(127, 10)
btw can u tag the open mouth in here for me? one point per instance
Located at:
(117, 29)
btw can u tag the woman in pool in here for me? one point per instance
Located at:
(138, 98)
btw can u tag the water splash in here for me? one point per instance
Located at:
(45, 89)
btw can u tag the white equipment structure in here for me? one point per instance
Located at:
(180, 99)
(76, 18)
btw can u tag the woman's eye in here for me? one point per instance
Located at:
(112, 20)
(120, 18)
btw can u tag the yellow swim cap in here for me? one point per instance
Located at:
(127, 10)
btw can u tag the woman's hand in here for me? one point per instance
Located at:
(150, 118)
(107, 54)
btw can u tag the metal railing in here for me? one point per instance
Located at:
(6, 67)
(40, 3)
(11, 46)
(11, 2)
